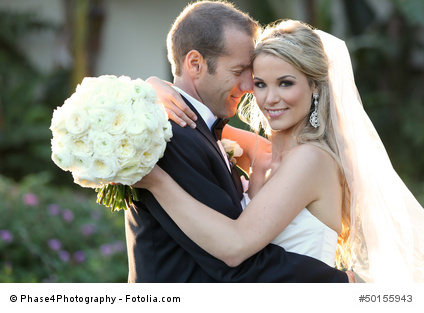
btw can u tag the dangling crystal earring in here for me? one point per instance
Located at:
(314, 115)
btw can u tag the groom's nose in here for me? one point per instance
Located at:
(246, 84)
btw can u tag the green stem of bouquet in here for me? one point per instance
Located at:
(117, 197)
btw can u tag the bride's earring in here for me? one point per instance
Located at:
(314, 115)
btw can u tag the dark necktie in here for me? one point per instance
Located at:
(217, 127)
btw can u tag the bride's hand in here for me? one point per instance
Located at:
(152, 179)
(175, 106)
(351, 276)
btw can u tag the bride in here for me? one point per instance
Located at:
(327, 189)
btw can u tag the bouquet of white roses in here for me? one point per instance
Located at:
(110, 130)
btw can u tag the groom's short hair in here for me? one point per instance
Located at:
(200, 26)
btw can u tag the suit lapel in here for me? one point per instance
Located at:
(205, 131)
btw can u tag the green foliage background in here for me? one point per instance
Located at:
(39, 241)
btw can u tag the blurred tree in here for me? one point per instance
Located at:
(25, 93)
(84, 23)
(28, 96)
(79, 39)
(388, 53)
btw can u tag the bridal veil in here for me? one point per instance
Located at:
(387, 222)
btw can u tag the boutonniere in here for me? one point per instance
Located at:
(233, 151)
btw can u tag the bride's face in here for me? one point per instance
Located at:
(282, 92)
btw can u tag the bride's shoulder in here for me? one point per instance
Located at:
(307, 149)
(310, 155)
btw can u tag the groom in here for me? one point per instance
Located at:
(209, 47)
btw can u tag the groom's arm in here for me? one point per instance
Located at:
(187, 162)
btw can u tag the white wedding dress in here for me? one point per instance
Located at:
(307, 235)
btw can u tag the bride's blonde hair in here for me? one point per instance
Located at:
(297, 43)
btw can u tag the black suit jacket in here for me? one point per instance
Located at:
(158, 251)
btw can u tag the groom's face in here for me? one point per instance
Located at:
(223, 90)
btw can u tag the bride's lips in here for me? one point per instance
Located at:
(275, 112)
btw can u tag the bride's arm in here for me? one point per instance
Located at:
(291, 189)
(175, 107)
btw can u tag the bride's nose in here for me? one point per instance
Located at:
(272, 97)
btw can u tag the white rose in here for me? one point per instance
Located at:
(167, 131)
(140, 88)
(123, 98)
(119, 121)
(125, 80)
(160, 113)
(131, 172)
(62, 156)
(83, 96)
(135, 125)
(87, 180)
(238, 151)
(150, 93)
(158, 137)
(139, 106)
(81, 146)
(124, 95)
(77, 122)
(63, 159)
(162, 134)
(143, 141)
(150, 156)
(150, 121)
(104, 168)
(158, 110)
(58, 124)
(161, 117)
(100, 118)
(125, 149)
(103, 143)
(62, 142)
(102, 100)
(232, 147)
(109, 85)
(160, 150)
(88, 84)
(82, 166)
(81, 100)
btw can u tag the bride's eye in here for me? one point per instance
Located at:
(286, 83)
(259, 84)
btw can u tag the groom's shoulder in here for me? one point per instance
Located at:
(186, 145)
(179, 132)
(185, 137)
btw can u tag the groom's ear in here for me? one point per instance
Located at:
(195, 63)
